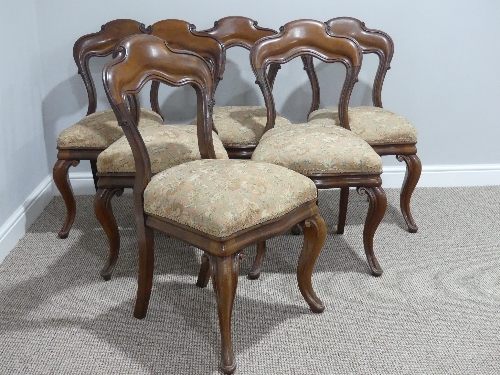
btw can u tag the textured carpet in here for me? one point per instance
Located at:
(435, 310)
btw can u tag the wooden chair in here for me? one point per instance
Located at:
(332, 157)
(387, 132)
(168, 145)
(240, 127)
(197, 201)
(86, 139)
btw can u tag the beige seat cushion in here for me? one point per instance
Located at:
(317, 149)
(242, 125)
(168, 145)
(375, 125)
(222, 197)
(100, 129)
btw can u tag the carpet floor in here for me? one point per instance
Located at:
(435, 310)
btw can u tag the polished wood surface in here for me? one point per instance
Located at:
(305, 39)
(238, 31)
(182, 35)
(380, 44)
(98, 44)
(142, 58)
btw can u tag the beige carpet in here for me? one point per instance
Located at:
(435, 310)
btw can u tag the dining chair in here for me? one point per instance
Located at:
(219, 206)
(86, 139)
(240, 127)
(168, 145)
(387, 132)
(332, 157)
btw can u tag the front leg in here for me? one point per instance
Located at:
(104, 214)
(413, 171)
(61, 179)
(314, 237)
(376, 211)
(225, 280)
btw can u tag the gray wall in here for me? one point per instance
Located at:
(23, 155)
(443, 76)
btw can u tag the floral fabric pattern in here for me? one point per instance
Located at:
(100, 129)
(242, 125)
(167, 145)
(375, 125)
(222, 197)
(316, 149)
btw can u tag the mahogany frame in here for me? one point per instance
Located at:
(180, 35)
(137, 60)
(309, 39)
(98, 44)
(381, 44)
(238, 31)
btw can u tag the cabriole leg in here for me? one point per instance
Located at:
(104, 213)
(225, 280)
(204, 274)
(413, 171)
(257, 263)
(344, 200)
(61, 179)
(314, 237)
(376, 211)
(146, 267)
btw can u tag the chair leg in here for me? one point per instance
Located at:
(257, 263)
(93, 167)
(204, 274)
(413, 171)
(314, 237)
(344, 200)
(225, 280)
(376, 211)
(146, 267)
(104, 214)
(61, 179)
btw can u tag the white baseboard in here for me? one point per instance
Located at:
(432, 176)
(446, 175)
(19, 222)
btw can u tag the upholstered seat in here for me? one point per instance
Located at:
(242, 125)
(315, 148)
(168, 145)
(100, 129)
(222, 197)
(375, 125)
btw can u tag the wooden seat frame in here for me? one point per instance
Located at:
(137, 60)
(98, 44)
(381, 44)
(308, 38)
(179, 35)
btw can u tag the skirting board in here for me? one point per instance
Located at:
(432, 176)
(20, 221)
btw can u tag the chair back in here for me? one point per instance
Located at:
(306, 38)
(238, 31)
(370, 41)
(101, 44)
(139, 59)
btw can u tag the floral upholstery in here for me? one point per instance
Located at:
(100, 129)
(222, 197)
(242, 125)
(375, 125)
(168, 145)
(317, 149)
